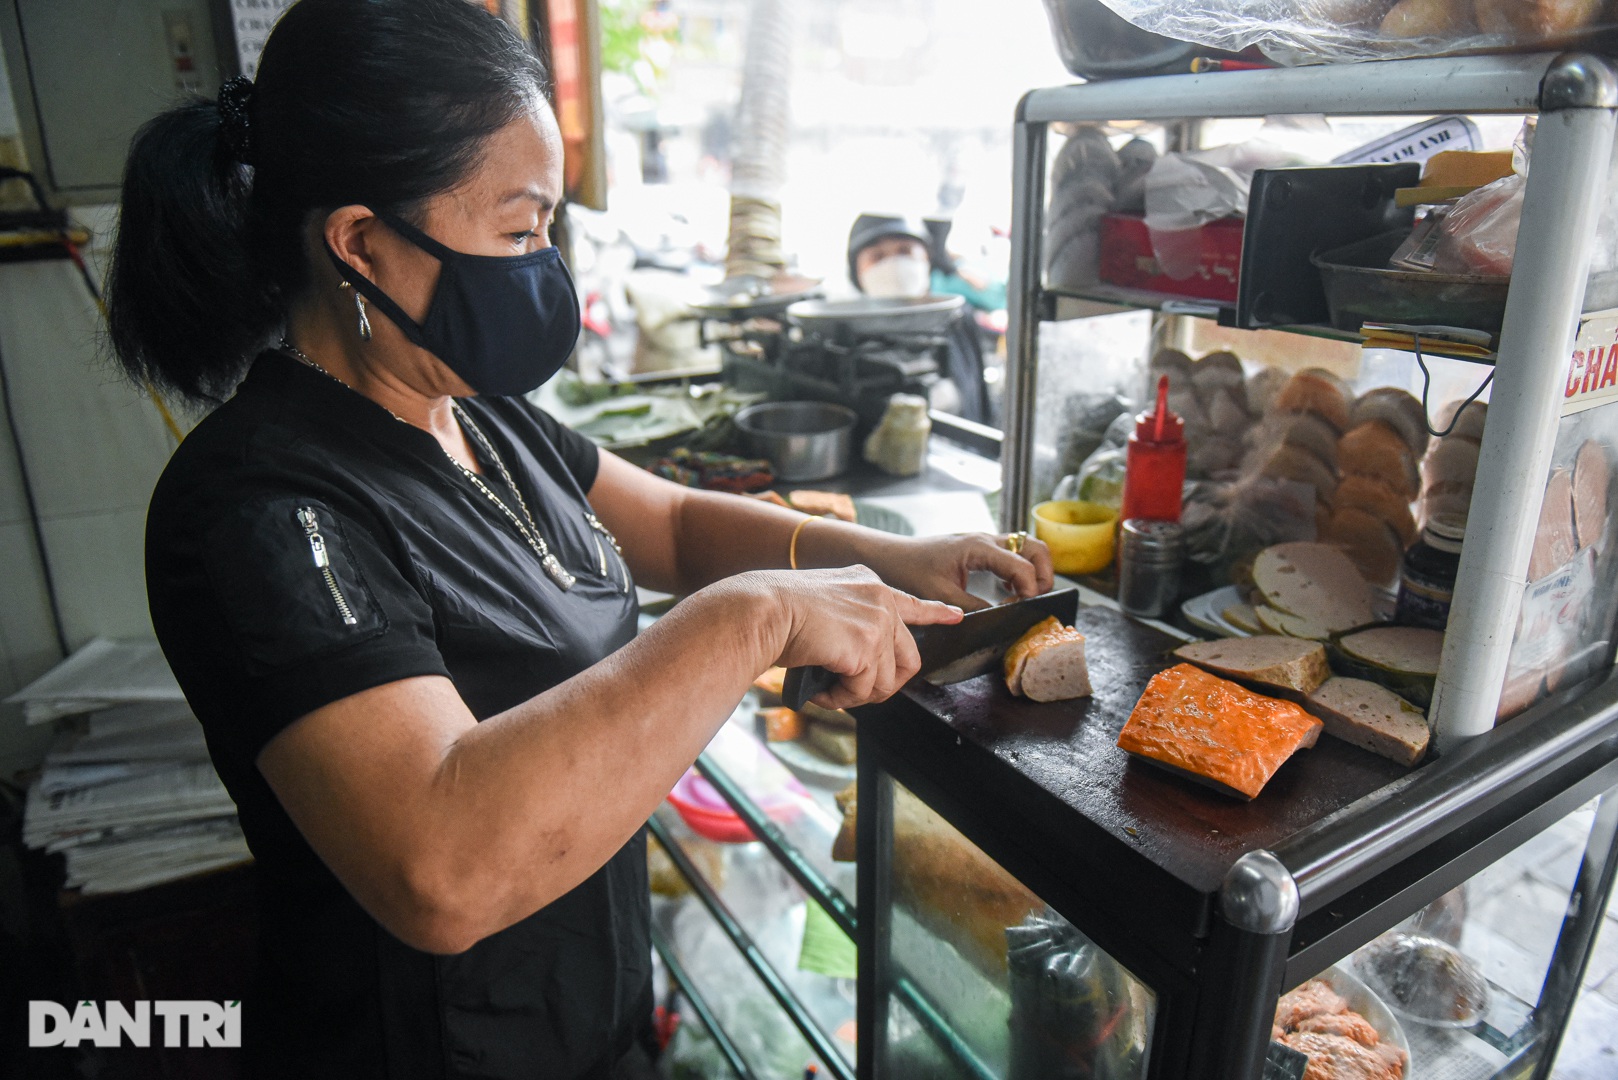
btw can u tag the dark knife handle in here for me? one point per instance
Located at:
(803, 683)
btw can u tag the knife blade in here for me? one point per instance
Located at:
(955, 652)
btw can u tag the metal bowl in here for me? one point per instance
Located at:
(878, 315)
(1097, 43)
(804, 440)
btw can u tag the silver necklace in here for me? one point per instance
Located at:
(526, 526)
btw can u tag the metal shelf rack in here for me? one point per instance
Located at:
(1217, 954)
(1575, 96)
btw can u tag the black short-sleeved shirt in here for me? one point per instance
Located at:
(304, 545)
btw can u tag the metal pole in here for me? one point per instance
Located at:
(1464, 84)
(1344, 851)
(1022, 330)
(699, 1005)
(874, 838)
(1567, 188)
(791, 859)
(1247, 959)
(818, 1040)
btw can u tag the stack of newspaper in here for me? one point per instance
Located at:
(126, 793)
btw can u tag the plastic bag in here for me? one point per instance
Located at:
(1100, 479)
(1185, 191)
(1479, 234)
(1073, 1016)
(1089, 180)
(1312, 31)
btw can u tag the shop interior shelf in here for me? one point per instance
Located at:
(1060, 304)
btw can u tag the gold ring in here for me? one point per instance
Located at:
(1015, 542)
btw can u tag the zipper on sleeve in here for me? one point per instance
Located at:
(317, 547)
(620, 579)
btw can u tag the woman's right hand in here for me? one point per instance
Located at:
(848, 622)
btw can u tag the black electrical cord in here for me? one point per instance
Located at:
(1426, 385)
(33, 508)
(11, 172)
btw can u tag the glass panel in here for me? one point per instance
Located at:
(772, 911)
(1091, 373)
(763, 898)
(1564, 633)
(1020, 989)
(1478, 955)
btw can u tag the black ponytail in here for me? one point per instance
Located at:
(383, 103)
(182, 293)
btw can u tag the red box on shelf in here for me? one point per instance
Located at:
(1127, 259)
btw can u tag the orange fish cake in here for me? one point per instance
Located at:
(1216, 731)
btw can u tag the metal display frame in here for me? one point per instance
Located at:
(1575, 96)
(1218, 961)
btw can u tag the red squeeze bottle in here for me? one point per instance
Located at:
(1154, 468)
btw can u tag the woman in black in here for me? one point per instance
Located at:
(401, 599)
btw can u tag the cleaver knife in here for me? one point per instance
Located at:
(951, 654)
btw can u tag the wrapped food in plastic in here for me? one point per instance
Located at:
(1072, 1012)
(1084, 178)
(1479, 234)
(1100, 479)
(1313, 31)
(1424, 978)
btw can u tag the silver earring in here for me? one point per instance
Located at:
(365, 323)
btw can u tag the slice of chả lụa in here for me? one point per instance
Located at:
(1314, 582)
(1372, 717)
(1272, 663)
(1048, 664)
(1405, 659)
(1275, 621)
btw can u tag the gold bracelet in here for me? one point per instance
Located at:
(792, 548)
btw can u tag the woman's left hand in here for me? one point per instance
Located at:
(936, 567)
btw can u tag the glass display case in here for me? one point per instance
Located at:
(1023, 991)
(1034, 903)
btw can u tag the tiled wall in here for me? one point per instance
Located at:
(93, 446)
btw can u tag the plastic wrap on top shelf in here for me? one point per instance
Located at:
(1316, 31)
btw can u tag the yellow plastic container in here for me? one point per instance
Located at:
(1079, 534)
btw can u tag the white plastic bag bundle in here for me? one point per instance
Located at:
(1312, 31)
(1185, 191)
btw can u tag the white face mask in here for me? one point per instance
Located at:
(897, 276)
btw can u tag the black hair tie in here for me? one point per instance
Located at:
(235, 120)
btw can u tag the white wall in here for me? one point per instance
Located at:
(93, 447)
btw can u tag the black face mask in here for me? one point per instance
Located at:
(503, 323)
